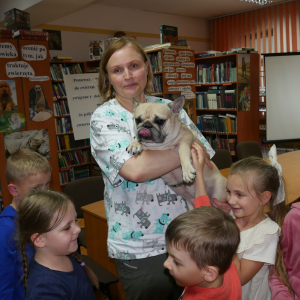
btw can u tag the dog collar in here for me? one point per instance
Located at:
(177, 184)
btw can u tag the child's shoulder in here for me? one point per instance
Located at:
(7, 217)
(258, 234)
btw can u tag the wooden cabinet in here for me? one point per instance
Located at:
(238, 72)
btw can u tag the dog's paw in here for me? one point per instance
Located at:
(134, 148)
(188, 174)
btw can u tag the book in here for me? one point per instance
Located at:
(61, 58)
(242, 49)
(168, 34)
(165, 45)
(30, 33)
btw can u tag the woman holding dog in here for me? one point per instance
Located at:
(139, 206)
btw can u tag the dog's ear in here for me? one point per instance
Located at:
(136, 104)
(177, 105)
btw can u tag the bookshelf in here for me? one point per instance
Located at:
(227, 99)
(74, 156)
(174, 75)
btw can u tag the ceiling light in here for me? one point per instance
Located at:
(260, 2)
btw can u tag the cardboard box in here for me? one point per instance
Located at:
(16, 19)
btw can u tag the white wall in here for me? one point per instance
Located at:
(76, 44)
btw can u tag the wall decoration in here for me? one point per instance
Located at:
(96, 49)
(37, 140)
(8, 96)
(244, 68)
(11, 122)
(54, 39)
(38, 107)
(244, 96)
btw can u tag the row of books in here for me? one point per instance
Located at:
(58, 70)
(73, 158)
(73, 174)
(61, 108)
(216, 73)
(24, 34)
(63, 125)
(59, 90)
(97, 171)
(217, 123)
(67, 142)
(157, 84)
(155, 61)
(216, 99)
(222, 143)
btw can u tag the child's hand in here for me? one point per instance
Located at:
(197, 157)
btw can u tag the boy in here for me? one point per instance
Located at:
(26, 170)
(201, 244)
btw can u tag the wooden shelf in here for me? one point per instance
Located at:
(216, 110)
(64, 133)
(62, 116)
(61, 98)
(218, 133)
(214, 84)
(74, 149)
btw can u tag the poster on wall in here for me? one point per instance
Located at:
(244, 97)
(38, 107)
(8, 96)
(11, 122)
(83, 99)
(243, 67)
(54, 39)
(36, 140)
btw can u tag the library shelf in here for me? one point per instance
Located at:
(235, 74)
(64, 133)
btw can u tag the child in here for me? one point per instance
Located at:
(47, 221)
(25, 170)
(201, 244)
(252, 183)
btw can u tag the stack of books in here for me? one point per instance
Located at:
(165, 45)
(31, 35)
(208, 53)
(241, 50)
(6, 34)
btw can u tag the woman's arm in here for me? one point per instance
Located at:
(278, 290)
(247, 269)
(149, 164)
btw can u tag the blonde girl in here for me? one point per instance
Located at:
(47, 221)
(252, 185)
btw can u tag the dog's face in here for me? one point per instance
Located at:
(4, 88)
(154, 122)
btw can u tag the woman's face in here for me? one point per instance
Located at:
(127, 72)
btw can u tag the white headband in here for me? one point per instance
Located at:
(273, 158)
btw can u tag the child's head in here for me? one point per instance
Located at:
(201, 244)
(252, 179)
(47, 221)
(27, 170)
(48, 218)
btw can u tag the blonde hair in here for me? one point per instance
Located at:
(209, 235)
(25, 163)
(106, 89)
(42, 211)
(265, 178)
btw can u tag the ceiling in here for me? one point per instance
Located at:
(45, 11)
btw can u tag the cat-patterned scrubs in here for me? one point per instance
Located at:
(137, 213)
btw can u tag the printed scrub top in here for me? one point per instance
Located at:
(137, 213)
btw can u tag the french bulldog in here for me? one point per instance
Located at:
(158, 127)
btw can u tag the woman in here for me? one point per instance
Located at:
(136, 198)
